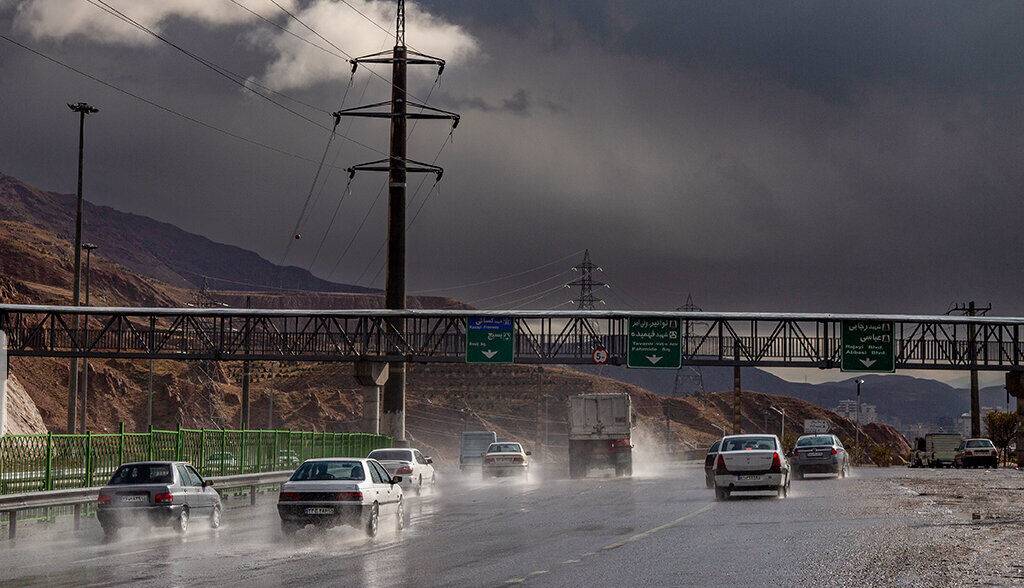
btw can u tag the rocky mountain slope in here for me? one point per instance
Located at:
(156, 249)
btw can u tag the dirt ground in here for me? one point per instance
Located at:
(979, 515)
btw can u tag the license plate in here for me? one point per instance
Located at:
(814, 454)
(319, 511)
(749, 477)
(133, 499)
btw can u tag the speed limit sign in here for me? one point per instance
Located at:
(600, 356)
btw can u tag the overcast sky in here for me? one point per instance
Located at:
(762, 155)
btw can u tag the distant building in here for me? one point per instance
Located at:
(848, 410)
(964, 421)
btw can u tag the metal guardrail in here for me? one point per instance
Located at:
(76, 497)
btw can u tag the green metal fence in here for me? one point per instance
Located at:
(53, 461)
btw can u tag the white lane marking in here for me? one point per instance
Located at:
(657, 529)
(537, 573)
(109, 555)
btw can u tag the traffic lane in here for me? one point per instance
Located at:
(492, 530)
(467, 533)
(828, 532)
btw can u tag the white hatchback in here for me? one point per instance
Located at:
(415, 469)
(751, 463)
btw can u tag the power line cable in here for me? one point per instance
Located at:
(227, 74)
(157, 105)
(286, 30)
(499, 278)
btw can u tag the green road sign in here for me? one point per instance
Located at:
(868, 346)
(489, 340)
(654, 343)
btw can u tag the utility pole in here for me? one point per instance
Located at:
(82, 109)
(859, 382)
(245, 374)
(397, 166)
(83, 420)
(970, 309)
(736, 399)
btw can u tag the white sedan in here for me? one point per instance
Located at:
(751, 463)
(415, 469)
(506, 459)
(333, 491)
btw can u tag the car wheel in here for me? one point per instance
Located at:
(289, 528)
(373, 521)
(400, 519)
(215, 517)
(721, 493)
(181, 522)
(109, 532)
(419, 485)
(799, 475)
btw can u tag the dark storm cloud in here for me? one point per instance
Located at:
(777, 156)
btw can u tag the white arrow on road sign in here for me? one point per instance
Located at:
(868, 362)
(489, 354)
(653, 358)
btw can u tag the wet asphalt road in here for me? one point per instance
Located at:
(658, 530)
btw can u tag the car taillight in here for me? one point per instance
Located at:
(835, 451)
(968, 453)
(776, 463)
(488, 460)
(103, 499)
(720, 465)
(517, 460)
(163, 498)
(403, 470)
(288, 497)
(349, 496)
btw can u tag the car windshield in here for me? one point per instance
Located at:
(815, 440)
(979, 443)
(749, 443)
(505, 448)
(391, 455)
(145, 473)
(329, 470)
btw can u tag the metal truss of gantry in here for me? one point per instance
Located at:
(541, 337)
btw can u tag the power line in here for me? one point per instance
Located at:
(499, 278)
(236, 79)
(286, 30)
(154, 104)
(292, 16)
(312, 189)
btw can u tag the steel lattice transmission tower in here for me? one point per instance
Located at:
(586, 283)
(397, 166)
(689, 377)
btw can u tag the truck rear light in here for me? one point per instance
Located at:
(776, 463)
(720, 465)
(163, 498)
(288, 497)
(349, 497)
(404, 470)
(617, 443)
(103, 499)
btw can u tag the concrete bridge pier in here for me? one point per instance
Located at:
(371, 376)
(1015, 388)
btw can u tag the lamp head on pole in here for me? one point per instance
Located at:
(83, 108)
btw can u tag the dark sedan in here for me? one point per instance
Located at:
(159, 493)
(820, 454)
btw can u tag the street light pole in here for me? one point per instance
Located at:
(83, 418)
(82, 109)
(859, 382)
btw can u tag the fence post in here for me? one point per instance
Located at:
(277, 455)
(259, 451)
(48, 474)
(177, 443)
(202, 451)
(323, 444)
(120, 443)
(223, 448)
(149, 451)
(88, 459)
(289, 433)
(242, 446)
